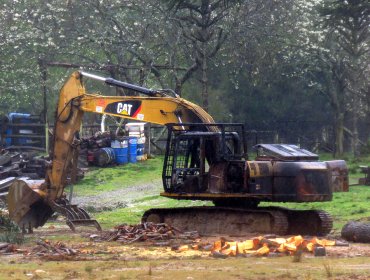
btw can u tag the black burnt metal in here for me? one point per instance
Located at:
(146, 91)
(284, 152)
(190, 144)
(210, 217)
(282, 221)
(366, 180)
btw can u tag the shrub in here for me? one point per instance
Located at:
(9, 231)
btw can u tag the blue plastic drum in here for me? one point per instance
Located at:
(132, 149)
(121, 151)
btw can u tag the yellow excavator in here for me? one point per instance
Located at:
(204, 160)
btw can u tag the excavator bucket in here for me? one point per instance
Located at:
(26, 204)
(29, 208)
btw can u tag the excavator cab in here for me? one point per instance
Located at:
(192, 149)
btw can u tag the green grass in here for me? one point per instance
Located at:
(133, 213)
(112, 178)
(188, 268)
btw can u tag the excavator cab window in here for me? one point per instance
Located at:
(191, 151)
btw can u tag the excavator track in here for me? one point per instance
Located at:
(309, 222)
(220, 220)
(238, 221)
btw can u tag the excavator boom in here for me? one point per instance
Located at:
(74, 101)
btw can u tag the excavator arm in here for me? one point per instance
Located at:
(156, 108)
(32, 203)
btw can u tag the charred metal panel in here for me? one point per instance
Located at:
(282, 168)
(301, 181)
(339, 175)
(236, 176)
(260, 177)
(217, 178)
(285, 152)
(260, 169)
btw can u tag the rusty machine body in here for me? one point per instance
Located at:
(203, 161)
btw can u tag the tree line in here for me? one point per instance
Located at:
(296, 71)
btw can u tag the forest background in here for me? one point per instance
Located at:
(296, 71)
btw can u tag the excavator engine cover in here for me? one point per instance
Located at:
(26, 204)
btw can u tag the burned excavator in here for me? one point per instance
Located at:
(203, 161)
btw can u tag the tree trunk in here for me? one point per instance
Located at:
(355, 140)
(335, 91)
(355, 81)
(204, 79)
(339, 135)
(205, 18)
(178, 87)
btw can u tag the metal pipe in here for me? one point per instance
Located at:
(113, 82)
(92, 76)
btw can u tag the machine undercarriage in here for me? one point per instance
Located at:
(238, 221)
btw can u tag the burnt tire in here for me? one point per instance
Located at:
(356, 232)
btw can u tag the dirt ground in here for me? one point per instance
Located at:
(146, 260)
(151, 250)
(143, 260)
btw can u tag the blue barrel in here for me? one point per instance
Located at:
(104, 156)
(23, 118)
(8, 140)
(132, 149)
(121, 151)
(140, 148)
(18, 118)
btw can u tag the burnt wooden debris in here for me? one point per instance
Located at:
(45, 247)
(153, 232)
(26, 163)
(20, 164)
(7, 248)
(15, 164)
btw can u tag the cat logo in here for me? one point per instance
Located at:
(124, 108)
